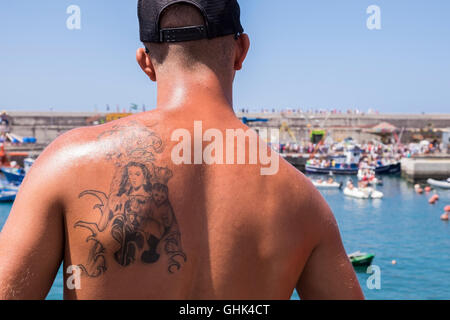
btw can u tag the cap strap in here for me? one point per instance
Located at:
(183, 34)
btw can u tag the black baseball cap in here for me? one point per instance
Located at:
(222, 18)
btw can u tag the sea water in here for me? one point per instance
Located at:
(402, 226)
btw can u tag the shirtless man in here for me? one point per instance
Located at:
(222, 231)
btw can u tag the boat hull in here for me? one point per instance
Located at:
(337, 171)
(13, 177)
(363, 194)
(364, 261)
(333, 185)
(10, 198)
(439, 184)
(389, 169)
(8, 195)
(356, 193)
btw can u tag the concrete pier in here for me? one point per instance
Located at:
(341, 126)
(414, 169)
(46, 126)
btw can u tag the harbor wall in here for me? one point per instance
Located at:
(341, 126)
(414, 169)
(46, 126)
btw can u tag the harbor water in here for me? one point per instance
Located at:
(402, 226)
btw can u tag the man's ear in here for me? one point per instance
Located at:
(243, 45)
(145, 63)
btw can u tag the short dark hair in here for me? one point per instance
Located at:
(190, 53)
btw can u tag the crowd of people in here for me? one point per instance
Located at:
(375, 151)
(308, 111)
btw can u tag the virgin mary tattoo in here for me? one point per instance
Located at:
(136, 212)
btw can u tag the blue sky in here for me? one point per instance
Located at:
(305, 54)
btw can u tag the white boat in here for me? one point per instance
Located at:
(326, 184)
(366, 193)
(439, 184)
(356, 193)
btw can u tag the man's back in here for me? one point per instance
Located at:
(170, 204)
(138, 226)
(216, 231)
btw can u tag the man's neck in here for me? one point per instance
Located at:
(201, 91)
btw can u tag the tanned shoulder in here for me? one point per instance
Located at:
(303, 207)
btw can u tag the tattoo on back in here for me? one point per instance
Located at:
(136, 213)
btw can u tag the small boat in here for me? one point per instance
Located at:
(439, 184)
(357, 193)
(366, 193)
(326, 185)
(7, 195)
(13, 175)
(361, 259)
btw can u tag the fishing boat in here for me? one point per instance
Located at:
(347, 164)
(392, 168)
(13, 175)
(338, 169)
(439, 184)
(16, 175)
(361, 259)
(351, 168)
